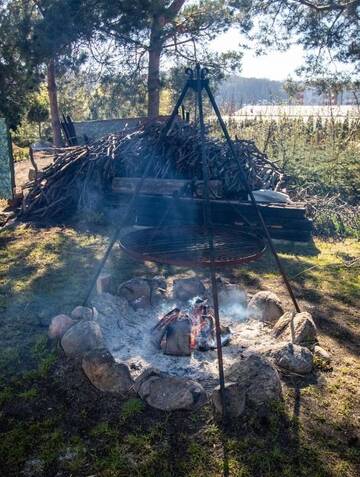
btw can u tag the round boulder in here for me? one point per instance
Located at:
(82, 313)
(82, 337)
(169, 393)
(185, 289)
(265, 306)
(235, 399)
(105, 373)
(59, 326)
(258, 379)
(294, 358)
(137, 292)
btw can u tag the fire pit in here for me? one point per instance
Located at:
(177, 335)
(156, 337)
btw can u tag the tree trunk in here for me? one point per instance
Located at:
(153, 82)
(157, 39)
(54, 110)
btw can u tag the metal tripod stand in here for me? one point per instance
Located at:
(199, 83)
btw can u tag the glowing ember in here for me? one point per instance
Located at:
(180, 332)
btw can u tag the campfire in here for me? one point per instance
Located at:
(157, 337)
(179, 332)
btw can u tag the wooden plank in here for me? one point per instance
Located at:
(232, 209)
(166, 187)
(276, 233)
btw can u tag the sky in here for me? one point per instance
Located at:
(275, 65)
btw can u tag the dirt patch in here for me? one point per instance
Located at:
(22, 167)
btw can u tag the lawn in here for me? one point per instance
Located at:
(54, 423)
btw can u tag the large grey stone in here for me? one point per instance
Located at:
(235, 399)
(105, 373)
(137, 292)
(82, 337)
(169, 393)
(185, 289)
(59, 326)
(265, 306)
(294, 358)
(304, 328)
(258, 378)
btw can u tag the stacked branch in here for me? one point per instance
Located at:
(331, 215)
(80, 177)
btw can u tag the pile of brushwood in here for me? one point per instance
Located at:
(332, 216)
(80, 177)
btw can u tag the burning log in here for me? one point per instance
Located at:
(159, 329)
(79, 177)
(179, 333)
(178, 338)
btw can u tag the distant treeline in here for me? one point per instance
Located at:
(236, 91)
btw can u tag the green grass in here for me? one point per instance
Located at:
(132, 408)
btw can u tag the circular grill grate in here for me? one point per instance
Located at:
(189, 246)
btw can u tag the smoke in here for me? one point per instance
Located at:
(233, 304)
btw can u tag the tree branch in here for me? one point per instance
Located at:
(174, 8)
(329, 6)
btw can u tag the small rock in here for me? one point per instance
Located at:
(169, 393)
(235, 398)
(59, 326)
(322, 354)
(67, 458)
(265, 306)
(103, 283)
(82, 337)
(304, 328)
(137, 292)
(34, 468)
(294, 358)
(105, 373)
(82, 313)
(258, 378)
(186, 288)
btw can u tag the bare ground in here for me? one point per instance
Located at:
(22, 167)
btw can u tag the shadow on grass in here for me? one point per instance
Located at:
(43, 272)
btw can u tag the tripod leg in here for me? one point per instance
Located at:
(129, 210)
(252, 198)
(175, 111)
(209, 229)
(118, 229)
